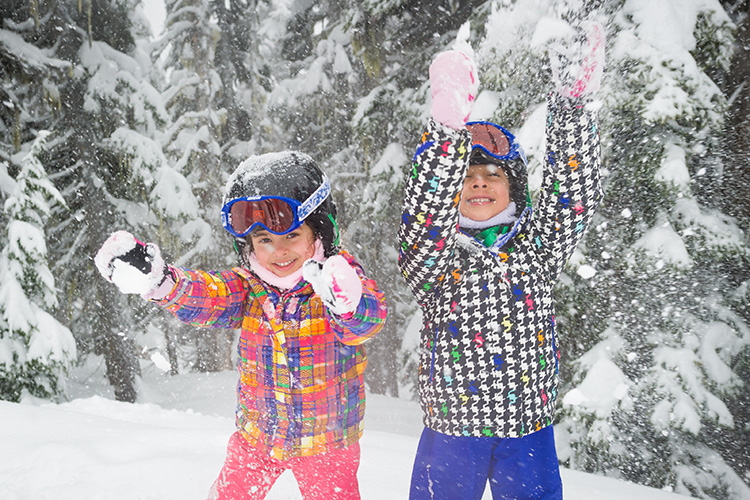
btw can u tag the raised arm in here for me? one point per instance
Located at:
(195, 297)
(429, 219)
(213, 299)
(571, 186)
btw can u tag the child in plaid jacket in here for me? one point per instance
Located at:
(304, 308)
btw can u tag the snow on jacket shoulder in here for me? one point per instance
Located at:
(301, 388)
(488, 354)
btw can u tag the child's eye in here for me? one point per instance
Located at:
(260, 238)
(291, 235)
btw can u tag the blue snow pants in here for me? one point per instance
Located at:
(458, 467)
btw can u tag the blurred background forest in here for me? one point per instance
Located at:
(110, 120)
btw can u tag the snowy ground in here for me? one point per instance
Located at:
(171, 445)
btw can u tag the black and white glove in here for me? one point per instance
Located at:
(134, 267)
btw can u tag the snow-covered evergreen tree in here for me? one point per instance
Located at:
(99, 101)
(36, 350)
(736, 174)
(193, 146)
(661, 372)
(236, 61)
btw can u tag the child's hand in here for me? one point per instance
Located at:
(577, 66)
(132, 266)
(454, 85)
(336, 283)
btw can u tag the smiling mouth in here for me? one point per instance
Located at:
(285, 264)
(480, 201)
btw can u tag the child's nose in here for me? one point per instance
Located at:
(283, 247)
(479, 181)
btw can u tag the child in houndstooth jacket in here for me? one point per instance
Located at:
(482, 266)
(304, 308)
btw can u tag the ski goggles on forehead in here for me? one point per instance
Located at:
(275, 214)
(494, 140)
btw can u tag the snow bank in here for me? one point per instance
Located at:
(171, 446)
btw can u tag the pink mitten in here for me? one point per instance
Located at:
(578, 67)
(454, 85)
(134, 267)
(336, 282)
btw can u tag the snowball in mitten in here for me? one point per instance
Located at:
(454, 85)
(336, 283)
(134, 267)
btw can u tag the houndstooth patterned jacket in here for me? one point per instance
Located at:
(488, 353)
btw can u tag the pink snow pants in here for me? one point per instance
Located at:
(249, 475)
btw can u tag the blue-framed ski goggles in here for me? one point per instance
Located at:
(494, 140)
(275, 214)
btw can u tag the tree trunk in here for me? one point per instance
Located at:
(119, 351)
(383, 360)
(214, 350)
(122, 365)
(174, 366)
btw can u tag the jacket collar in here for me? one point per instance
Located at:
(260, 287)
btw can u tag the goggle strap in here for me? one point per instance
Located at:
(314, 200)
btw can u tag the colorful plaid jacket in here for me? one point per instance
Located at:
(301, 389)
(488, 350)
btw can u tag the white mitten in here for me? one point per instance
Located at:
(134, 267)
(578, 65)
(336, 283)
(454, 85)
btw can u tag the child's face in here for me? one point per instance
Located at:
(283, 254)
(486, 192)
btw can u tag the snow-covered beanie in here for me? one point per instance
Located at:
(283, 282)
(507, 216)
(287, 174)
